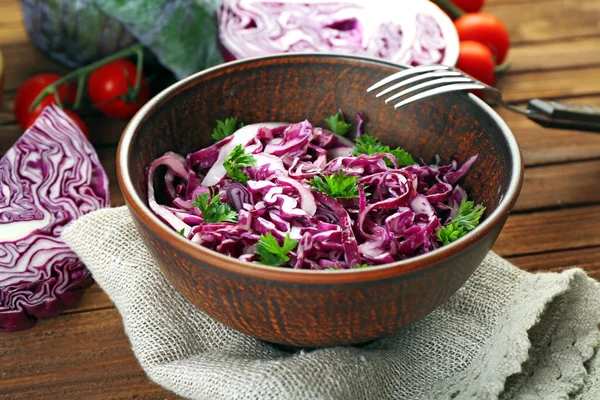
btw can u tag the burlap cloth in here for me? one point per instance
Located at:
(506, 334)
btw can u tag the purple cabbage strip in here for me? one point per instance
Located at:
(360, 125)
(395, 217)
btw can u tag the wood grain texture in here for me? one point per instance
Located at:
(556, 261)
(11, 25)
(559, 186)
(77, 356)
(93, 299)
(24, 60)
(563, 54)
(540, 145)
(544, 231)
(545, 21)
(552, 84)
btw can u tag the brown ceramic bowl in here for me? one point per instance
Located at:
(318, 308)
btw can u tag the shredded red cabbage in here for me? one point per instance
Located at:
(411, 33)
(395, 216)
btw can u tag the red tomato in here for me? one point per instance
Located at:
(487, 29)
(109, 83)
(78, 121)
(469, 6)
(29, 91)
(477, 60)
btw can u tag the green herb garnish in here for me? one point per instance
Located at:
(466, 219)
(216, 210)
(226, 128)
(450, 233)
(337, 124)
(336, 186)
(362, 266)
(181, 231)
(271, 253)
(367, 144)
(237, 159)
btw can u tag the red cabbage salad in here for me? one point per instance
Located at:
(305, 197)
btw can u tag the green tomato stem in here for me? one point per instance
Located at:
(138, 76)
(502, 68)
(453, 10)
(81, 73)
(80, 87)
(57, 97)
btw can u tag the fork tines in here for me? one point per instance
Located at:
(417, 83)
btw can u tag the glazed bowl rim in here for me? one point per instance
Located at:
(137, 205)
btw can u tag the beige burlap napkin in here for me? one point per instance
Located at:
(507, 334)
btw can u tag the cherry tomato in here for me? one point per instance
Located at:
(487, 29)
(29, 91)
(477, 60)
(109, 83)
(469, 6)
(76, 118)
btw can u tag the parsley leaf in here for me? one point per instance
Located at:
(271, 253)
(336, 186)
(237, 159)
(215, 211)
(468, 215)
(226, 128)
(466, 219)
(361, 266)
(337, 125)
(181, 232)
(450, 233)
(402, 157)
(367, 144)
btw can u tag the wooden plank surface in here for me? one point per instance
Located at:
(93, 299)
(555, 55)
(84, 353)
(559, 186)
(552, 84)
(11, 25)
(20, 62)
(547, 21)
(557, 261)
(77, 356)
(544, 231)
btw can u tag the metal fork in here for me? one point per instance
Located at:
(418, 83)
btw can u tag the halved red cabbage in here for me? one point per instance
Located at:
(412, 32)
(50, 177)
(395, 217)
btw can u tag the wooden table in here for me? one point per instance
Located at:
(84, 354)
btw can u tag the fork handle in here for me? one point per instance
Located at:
(553, 114)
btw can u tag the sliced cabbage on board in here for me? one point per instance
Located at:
(50, 177)
(409, 32)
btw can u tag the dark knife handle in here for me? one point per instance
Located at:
(553, 114)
